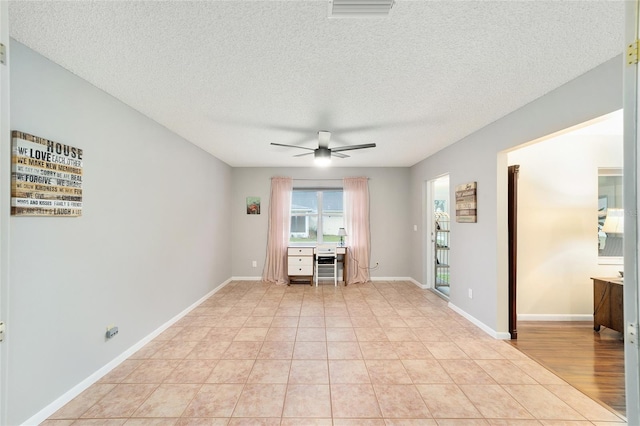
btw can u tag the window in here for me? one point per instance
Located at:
(316, 216)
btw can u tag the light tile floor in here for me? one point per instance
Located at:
(382, 353)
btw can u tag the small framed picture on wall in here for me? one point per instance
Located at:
(253, 205)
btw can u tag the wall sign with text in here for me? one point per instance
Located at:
(466, 203)
(46, 177)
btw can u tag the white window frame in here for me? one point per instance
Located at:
(319, 215)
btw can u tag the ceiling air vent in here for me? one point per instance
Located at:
(359, 8)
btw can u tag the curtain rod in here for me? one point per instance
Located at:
(315, 179)
(320, 179)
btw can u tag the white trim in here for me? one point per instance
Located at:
(391, 279)
(411, 280)
(417, 283)
(422, 286)
(481, 325)
(47, 411)
(555, 317)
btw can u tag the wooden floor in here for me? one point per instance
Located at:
(592, 362)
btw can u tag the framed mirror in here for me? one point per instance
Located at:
(610, 216)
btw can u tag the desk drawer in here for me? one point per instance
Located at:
(295, 269)
(300, 260)
(300, 251)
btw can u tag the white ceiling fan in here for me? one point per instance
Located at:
(322, 154)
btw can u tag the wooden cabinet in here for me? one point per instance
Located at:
(608, 301)
(300, 264)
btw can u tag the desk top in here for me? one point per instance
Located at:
(339, 249)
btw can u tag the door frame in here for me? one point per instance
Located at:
(512, 223)
(5, 202)
(429, 231)
(428, 235)
(631, 86)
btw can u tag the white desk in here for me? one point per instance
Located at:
(300, 261)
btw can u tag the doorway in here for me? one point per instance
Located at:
(438, 235)
(560, 244)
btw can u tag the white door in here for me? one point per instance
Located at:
(631, 184)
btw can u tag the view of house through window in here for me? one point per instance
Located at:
(316, 216)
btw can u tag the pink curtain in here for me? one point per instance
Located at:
(275, 267)
(356, 218)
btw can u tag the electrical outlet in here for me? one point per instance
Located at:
(415, 227)
(470, 294)
(111, 331)
(254, 263)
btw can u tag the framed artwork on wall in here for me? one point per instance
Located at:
(466, 203)
(253, 205)
(46, 177)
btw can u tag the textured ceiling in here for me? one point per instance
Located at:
(233, 76)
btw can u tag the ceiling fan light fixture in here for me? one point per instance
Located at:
(359, 8)
(322, 154)
(322, 157)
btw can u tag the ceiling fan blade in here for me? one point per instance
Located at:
(292, 146)
(339, 154)
(349, 148)
(302, 155)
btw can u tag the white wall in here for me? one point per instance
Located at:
(557, 240)
(389, 198)
(153, 238)
(479, 250)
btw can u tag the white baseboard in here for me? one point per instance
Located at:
(391, 278)
(555, 317)
(420, 285)
(339, 279)
(411, 280)
(491, 332)
(47, 411)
